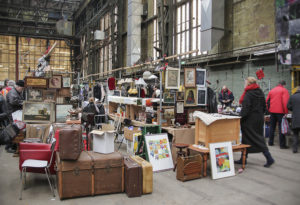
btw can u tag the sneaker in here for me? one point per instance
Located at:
(269, 163)
(11, 150)
(240, 161)
(271, 144)
(295, 151)
(284, 147)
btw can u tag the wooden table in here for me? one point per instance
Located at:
(205, 152)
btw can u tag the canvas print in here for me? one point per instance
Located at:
(190, 97)
(38, 112)
(55, 81)
(221, 160)
(49, 95)
(172, 78)
(34, 95)
(200, 77)
(62, 112)
(189, 77)
(169, 97)
(201, 96)
(159, 152)
(36, 82)
(66, 82)
(179, 96)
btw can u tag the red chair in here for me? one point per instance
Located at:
(38, 151)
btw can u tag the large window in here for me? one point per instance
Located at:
(7, 57)
(106, 50)
(188, 25)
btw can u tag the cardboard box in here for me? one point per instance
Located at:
(129, 133)
(103, 140)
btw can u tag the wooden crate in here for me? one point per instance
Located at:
(219, 131)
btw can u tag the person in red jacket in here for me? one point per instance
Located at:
(277, 100)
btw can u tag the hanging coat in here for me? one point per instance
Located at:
(252, 122)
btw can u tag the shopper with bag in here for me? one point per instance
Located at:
(252, 121)
(294, 106)
(276, 103)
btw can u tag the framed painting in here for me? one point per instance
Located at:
(38, 112)
(201, 96)
(55, 81)
(179, 96)
(169, 97)
(190, 97)
(36, 82)
(159, 152)
(189, 77)
(34, 95)
(179, 107)
(172, 78)
(66, 82)
(221, 159)
(61, 112)
(200, 77)
(169, 113)
(190, 117)
(49, 95)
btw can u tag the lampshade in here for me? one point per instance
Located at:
(128, 80)
(152, 77)
(120, 82)
(140, 81)
(147, 74)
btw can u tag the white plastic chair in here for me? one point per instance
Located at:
(33, 163)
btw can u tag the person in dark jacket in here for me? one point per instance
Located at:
(294, 106)
(226, 97)
(4, 121)
(277, 100)
(252, 121)
(14, 98)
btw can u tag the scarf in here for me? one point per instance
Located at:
(249, 87)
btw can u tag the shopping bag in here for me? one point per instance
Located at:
(284, 126)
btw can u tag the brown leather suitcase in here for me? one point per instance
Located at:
(133, 178)
(70, 142)
(108, 172)
(74, 178)
(147, 173)
(189, 168)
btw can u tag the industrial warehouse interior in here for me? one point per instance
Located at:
(149, 102)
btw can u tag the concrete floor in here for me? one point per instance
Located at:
(256, 185)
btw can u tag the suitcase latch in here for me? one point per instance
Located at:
(76, 171)
(108, 168)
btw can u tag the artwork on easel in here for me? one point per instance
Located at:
(159, 152)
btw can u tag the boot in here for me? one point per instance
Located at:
(269, 158)
(240, 161)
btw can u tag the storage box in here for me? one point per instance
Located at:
(129, 133)
(221, 130)
(103, 140)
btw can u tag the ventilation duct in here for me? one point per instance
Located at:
(135, 10)
(212, 23)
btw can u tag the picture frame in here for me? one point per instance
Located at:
(55, 82)
(179, 107)
(49, 95)
(61, 112)
(172, 78)
(66, 82)
(189, 77)
(169, 97)
(179, 96)
(117, 93)
(201, 96)
(221, 158)
(169, 113)
(34, 95)
(190, 97)
(200, 77)
(38, 112)
(159, 152)
(35, 82)
(64, 92)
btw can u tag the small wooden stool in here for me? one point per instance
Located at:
(180, 153)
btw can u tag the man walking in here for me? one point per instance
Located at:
(294, 106)
(277, 105)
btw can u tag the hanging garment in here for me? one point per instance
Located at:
(112, 83)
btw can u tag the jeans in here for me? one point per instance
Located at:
(274, 119)
(295, 139)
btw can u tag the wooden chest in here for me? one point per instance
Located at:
(219, 131)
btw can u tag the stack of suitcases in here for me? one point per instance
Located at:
(87, 173)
